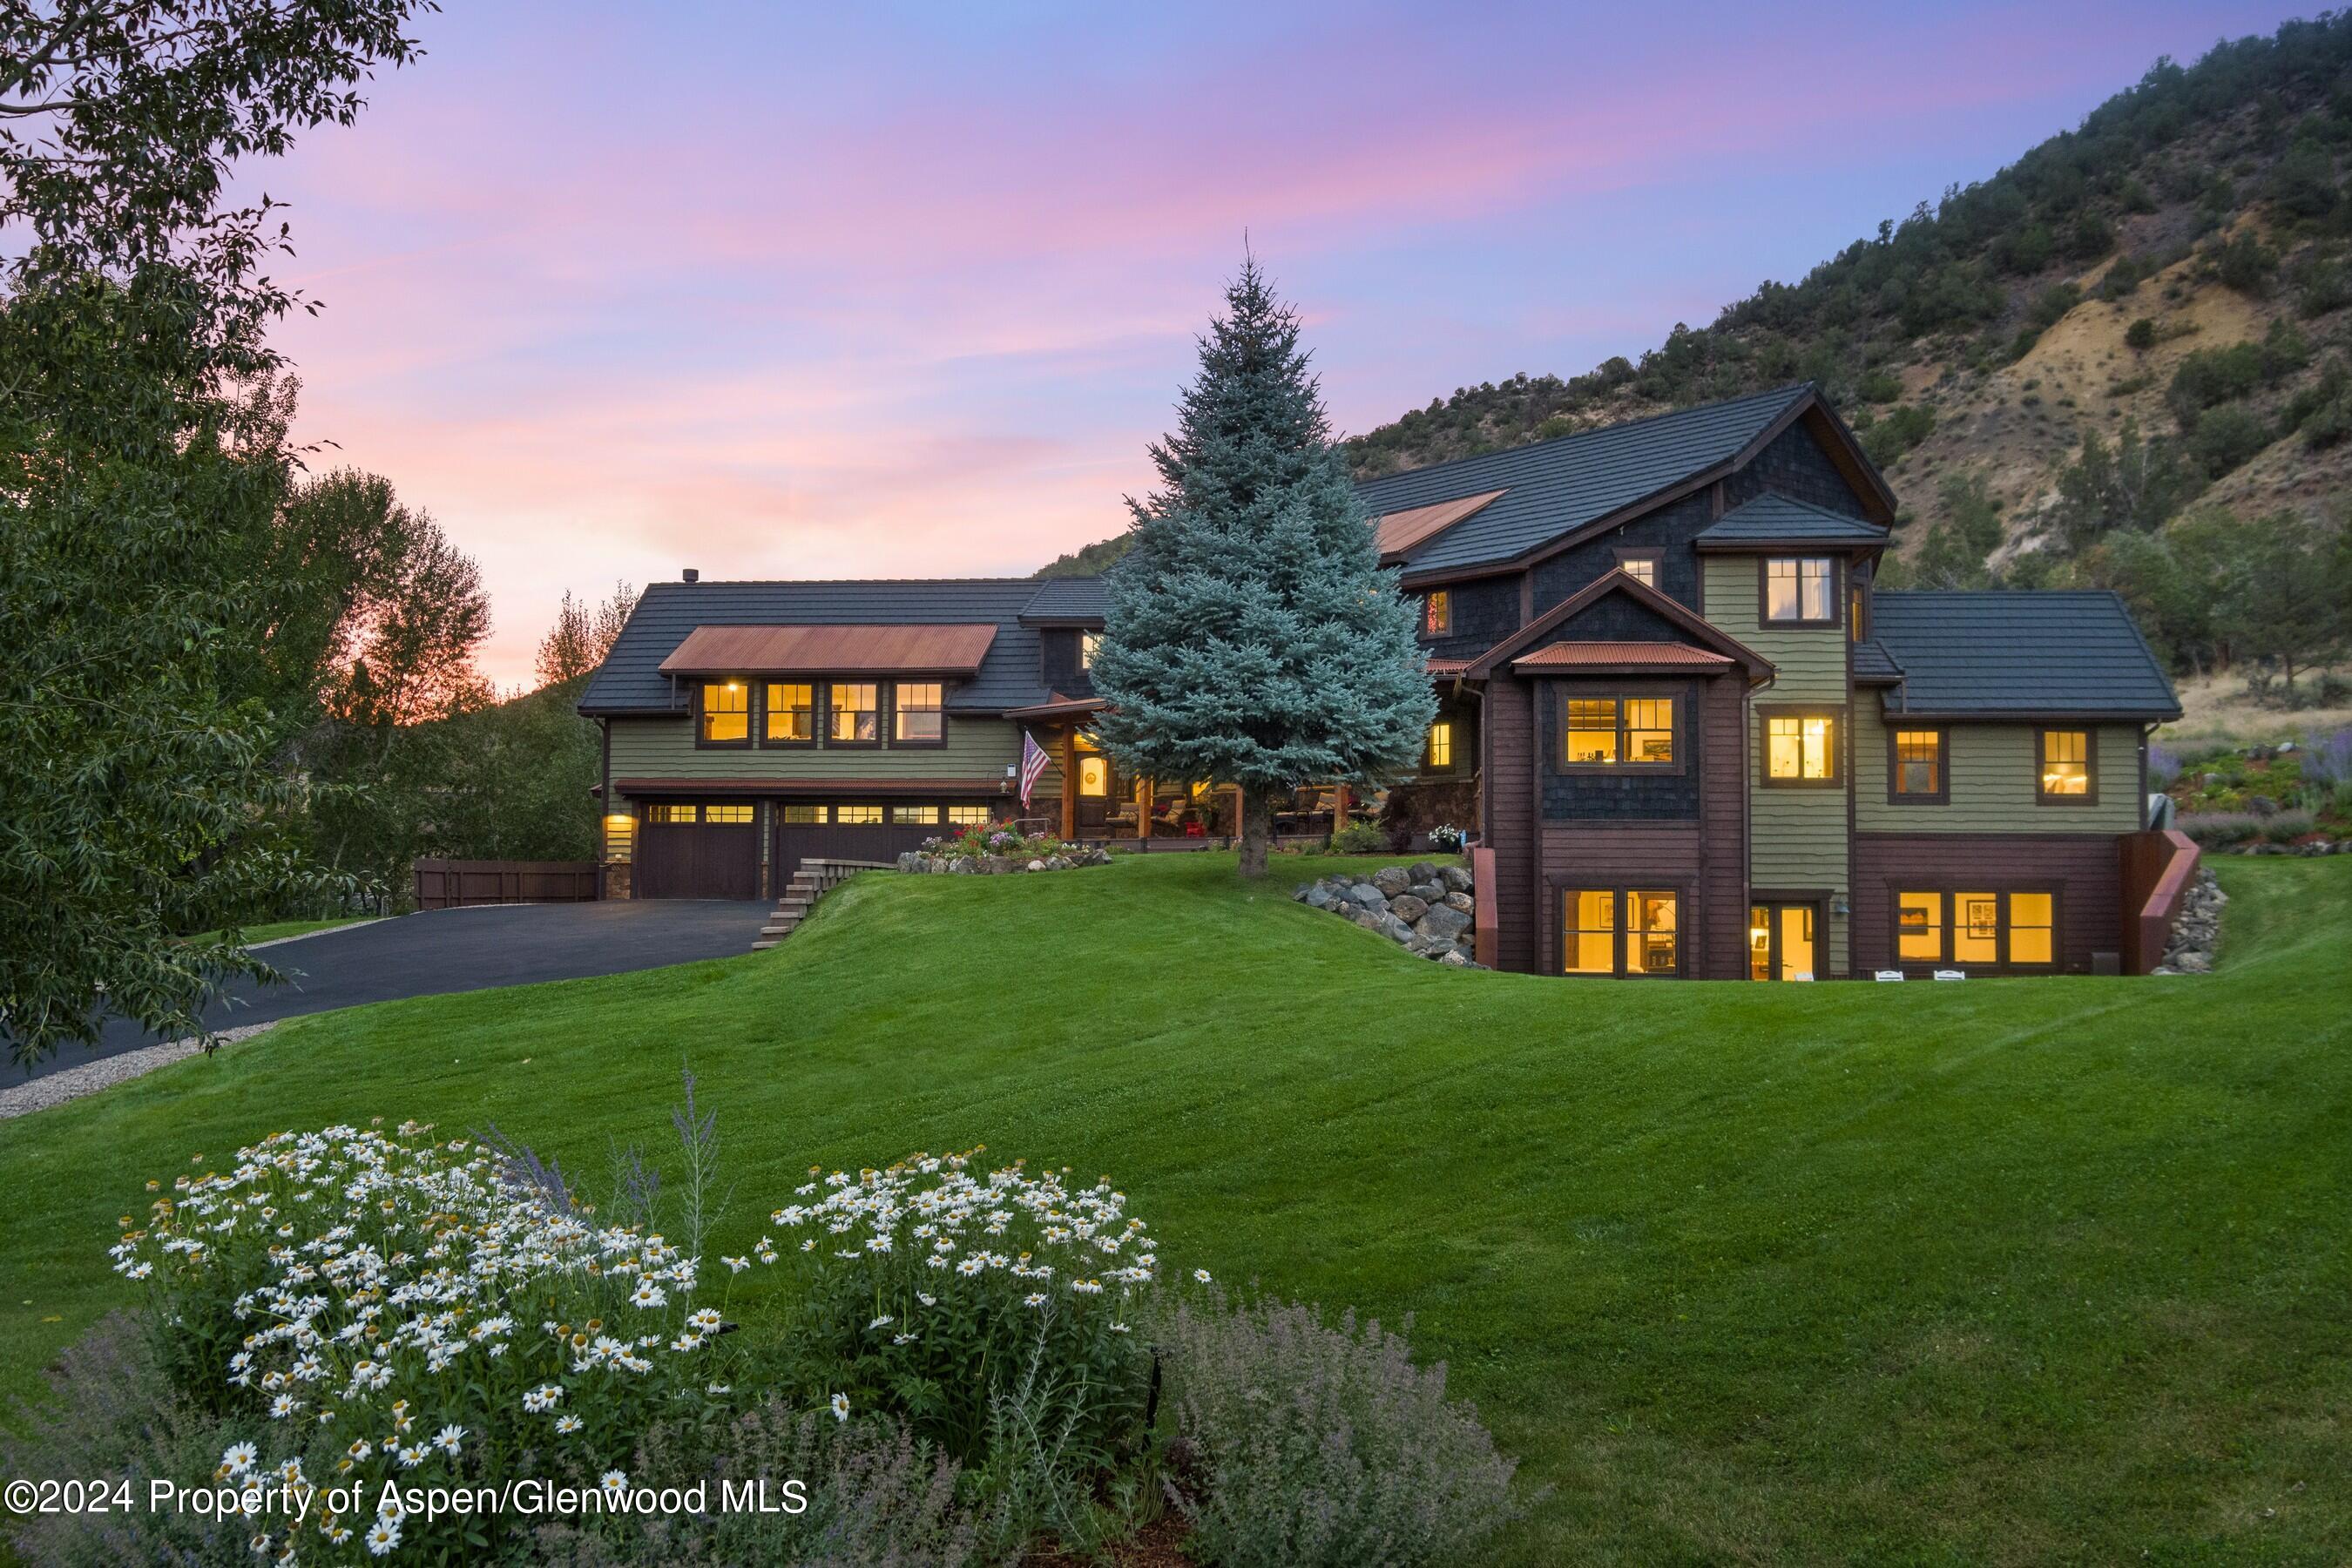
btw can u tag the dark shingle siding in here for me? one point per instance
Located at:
(1669, 528)
(630, 680)
(1992, 653)
(1556, 486)
(1774, 517)
(1793, 464)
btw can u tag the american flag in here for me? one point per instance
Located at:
(1033, 766)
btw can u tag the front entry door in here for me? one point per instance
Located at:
(1780, 942)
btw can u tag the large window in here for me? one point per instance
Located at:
(2067, 763)
(1977, 929)
(1915, 767)
(726, 716)
(1437, 613)
(792, 713)
(1612, 931)
(1441, 746)
(853, 713)
(1800, 590)
(1618, 732)
(915, 717)
(1800, 749)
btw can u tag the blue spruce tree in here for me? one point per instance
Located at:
(1251, 636)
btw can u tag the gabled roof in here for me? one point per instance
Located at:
(942, 651)
(1009, 673)
(1771, 520)
(1704, 633)
(1553, 488)
(1620, 657)
(1065, 602)
(2002, 654)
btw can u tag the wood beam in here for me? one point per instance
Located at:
(1070, 783)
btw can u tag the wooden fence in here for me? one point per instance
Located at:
(451, 884)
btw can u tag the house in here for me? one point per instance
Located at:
(1694, 738)
(1707, 745)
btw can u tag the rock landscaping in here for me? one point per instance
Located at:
(2197, 929)
(1067, 859)
(1423, 908)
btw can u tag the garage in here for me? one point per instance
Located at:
(698, 851)
(859, 831)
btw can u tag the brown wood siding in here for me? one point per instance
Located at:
(1507, 819)
(2085, 870)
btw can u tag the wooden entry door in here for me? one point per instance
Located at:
(1783, 942)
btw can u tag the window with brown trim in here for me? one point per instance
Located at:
(1799, 590)
(1642, 565)
(1917, 767)
(729, 815)
(790, 716)
(1436, 613)
(1977, 928)
(2065, 765)
(1439, 757)
(853, 714)
(723, 714)
(858, 816)
(1633, 932)
(1801, 749)
(915, 716)
(1618, 733)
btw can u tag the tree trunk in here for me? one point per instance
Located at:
(1257, 828)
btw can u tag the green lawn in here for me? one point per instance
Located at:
(278, 930)
(2007, 1272)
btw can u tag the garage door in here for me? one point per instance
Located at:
(857, 831)
(704, 850)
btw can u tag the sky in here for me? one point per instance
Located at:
(775, 290)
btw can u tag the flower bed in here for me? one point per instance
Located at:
(996, 848)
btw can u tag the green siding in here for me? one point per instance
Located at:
(665, 748)
(1993, 785)
(1809, 662)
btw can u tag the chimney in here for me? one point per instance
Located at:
(691, 575)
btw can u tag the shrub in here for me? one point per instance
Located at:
(1903, 426)
(2245, 264)
(2221, 829)
(1360, 838)
(979, 840)
(2140, 336)
(2226, 438)
(1302, 1444)
(1446, 837)
(2163, 766)
(2286, 826)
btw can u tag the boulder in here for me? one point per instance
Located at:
(1314, 895)
(1455, 877)
(1454, 958)
(1390, 880)
(1462, 902)
(1443, 922)
(1430, 892)
(1408, 908)
(1366, 897)
(1392, 927)
(1423, 871)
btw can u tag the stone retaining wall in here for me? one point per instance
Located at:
(1424, 907)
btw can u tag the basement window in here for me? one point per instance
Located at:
(1981, 930)
(1612, 931)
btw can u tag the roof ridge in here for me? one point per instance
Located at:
(1793, 386)
(1033, 583)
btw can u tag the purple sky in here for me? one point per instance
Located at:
(612, 290)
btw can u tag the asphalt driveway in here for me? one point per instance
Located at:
(442, 950)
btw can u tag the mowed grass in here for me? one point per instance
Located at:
(2007, 1271)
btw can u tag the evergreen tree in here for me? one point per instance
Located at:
(1251, 636)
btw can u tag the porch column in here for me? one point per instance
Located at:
(1340, 806)
(1070, 783)
(1143, 809)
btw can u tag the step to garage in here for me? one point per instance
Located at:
(811, 881)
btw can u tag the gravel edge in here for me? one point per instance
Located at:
(41, 1093)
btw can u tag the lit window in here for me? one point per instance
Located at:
(1441, 743)
(857, 816)
(1797, 589)
(1919, 927)
(1918, 762)
(2065, 765)
(726, 713)
(1976, 928)
(1650, 932)
(1589, 932)
(1801, 748)
(855, 721)
(669, 815)
(1649, 729)
(1088, 643)
(910, 816)
(966, 815)
(799, 814)
(1094, 775)
(915, 715)
(2032, 937)
(1605, 731)
(792, 713)
(1854, 615)
(1437, 613)
(736, 815)
(1591, 731)
(1642, 569)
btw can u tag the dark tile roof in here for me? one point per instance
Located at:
(1060, 601)
(1872, 662)
(1986, 654)
(1558, 486)
(630, 680)
(1773, 518)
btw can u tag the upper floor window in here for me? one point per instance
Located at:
(1800, 590)
(726, 716)
(1614, 731)
(2067, 763)
(1437, 613)
(855, 714)
(915, 716)
(1088, 643)
(1917, 767)
(1800, 749)
(1441, 744)
(792, 713)
(1642, 565)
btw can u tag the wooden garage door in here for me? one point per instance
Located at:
(853, 830)
(703, 850)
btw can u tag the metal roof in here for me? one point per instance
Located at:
(1871, 662)
(1010, 674)
(1399, 531)
(1773, 518)
(1554, 487)
(1989, 654)
(1621, 655)
(1065, 602)
(946, 650)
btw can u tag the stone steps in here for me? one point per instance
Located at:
(811, 881)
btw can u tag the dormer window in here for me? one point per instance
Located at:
(791, 717)
(1436, 613)
(724, 714)
(1801, 591)
(915, 716)
(855, 713)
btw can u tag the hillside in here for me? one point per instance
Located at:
(2011, 1271)
(1978, 341)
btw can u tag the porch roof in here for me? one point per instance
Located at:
(1613, 658)
(832, 651)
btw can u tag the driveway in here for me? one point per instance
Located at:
(443, 950)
